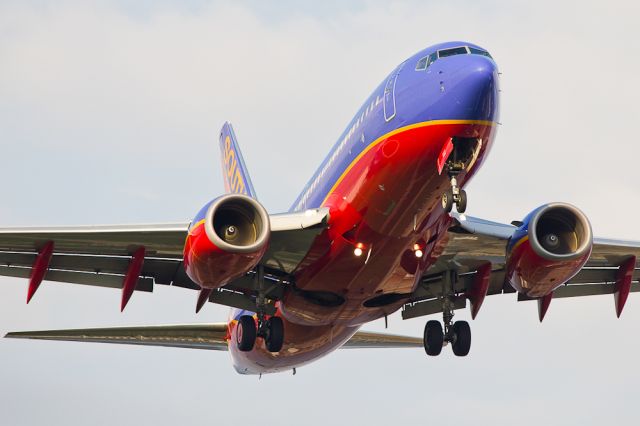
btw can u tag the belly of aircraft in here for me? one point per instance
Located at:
(388, 201)
(386, 204)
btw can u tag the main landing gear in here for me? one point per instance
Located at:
(271, 330)
(249, 327)
(458, 333)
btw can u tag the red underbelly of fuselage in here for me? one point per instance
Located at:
(388, 199)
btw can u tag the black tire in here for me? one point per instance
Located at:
(462, 339)
(433, 338)
(447, 201)
(246, 333)
(275, 336)
(461, 206)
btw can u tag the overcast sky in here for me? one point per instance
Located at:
(109, 113)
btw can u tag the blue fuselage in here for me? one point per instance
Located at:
(458, 87)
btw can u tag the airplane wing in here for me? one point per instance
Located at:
(476, 250)
(195, 336)
(104, 255)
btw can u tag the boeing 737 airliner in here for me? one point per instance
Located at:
(373, 231)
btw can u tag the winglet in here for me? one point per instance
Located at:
(234, 171)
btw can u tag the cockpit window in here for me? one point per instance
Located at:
(425, 63)
(451, 52)
(422, 64)
(432, 58)
(475, 51)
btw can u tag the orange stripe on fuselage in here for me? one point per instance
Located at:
(395, 132)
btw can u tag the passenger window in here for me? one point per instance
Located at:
(422, 64)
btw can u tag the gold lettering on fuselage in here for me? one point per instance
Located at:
(234, 174)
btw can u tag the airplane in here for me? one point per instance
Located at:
(373, 231)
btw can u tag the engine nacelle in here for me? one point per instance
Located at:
(548, 249)
(226, 240)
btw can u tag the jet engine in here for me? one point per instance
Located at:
(549, 248)
(228, 242)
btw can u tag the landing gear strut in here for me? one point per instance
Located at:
(458, 333)
(270, 329)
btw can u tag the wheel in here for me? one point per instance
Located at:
(461, 206)
(462, 338)
(433, 338)
(246, 333)
(447, 201)
(275, 334)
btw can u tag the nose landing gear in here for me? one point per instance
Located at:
(462, 157)
(456, 196)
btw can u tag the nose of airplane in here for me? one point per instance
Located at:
(473, 87)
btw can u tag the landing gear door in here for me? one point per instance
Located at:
(389, 103)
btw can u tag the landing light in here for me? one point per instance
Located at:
(418, 253)
(358, 250)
